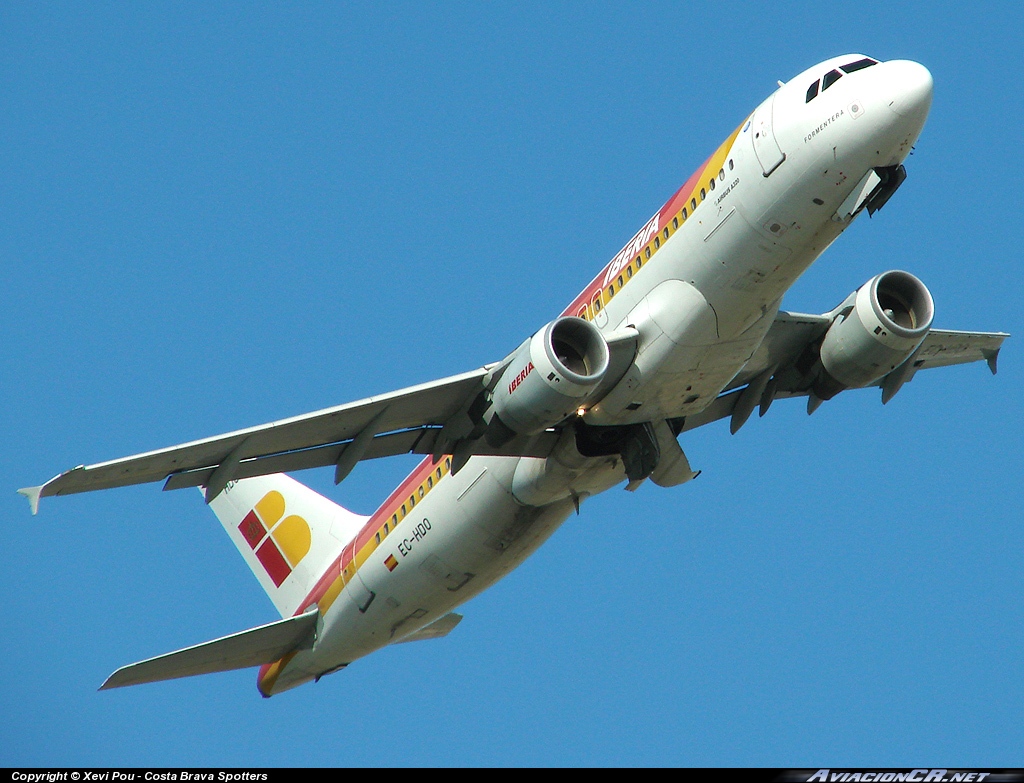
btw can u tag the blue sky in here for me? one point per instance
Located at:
(214, 218)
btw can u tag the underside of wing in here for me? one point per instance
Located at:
(457, 415)
(395, 423)
(788, 364)
(787, 342)
(799, 356)
(942, 348)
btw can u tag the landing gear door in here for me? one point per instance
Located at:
(762, 134)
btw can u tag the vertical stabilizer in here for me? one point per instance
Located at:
(287, 533)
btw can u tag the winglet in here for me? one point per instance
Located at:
(32, 493)
(991, 357)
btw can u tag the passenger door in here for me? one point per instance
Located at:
(762, 134)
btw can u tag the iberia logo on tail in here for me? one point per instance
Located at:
(279, 542)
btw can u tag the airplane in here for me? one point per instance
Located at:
(682, 328)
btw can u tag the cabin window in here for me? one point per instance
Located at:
(721, 175)
(693, 204)
(582, 312)
(684, 213)
(421, 493)
(731, 164)
(378, 536)
(404, 512)
(629, 272)
(620, 282)
(438, 474)
(647, 252)
(830, 78)
(675, 222)
(430, 482)
(812, 91)
(657, 242)
(386, 531)
(703, 194)
(611, 291)
(394, 521)
(711, 183)
(597, 304)
(447, 463)
(867, 62)
(665, 232)
(412, 501)
(638, 262)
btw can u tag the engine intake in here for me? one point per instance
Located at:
(878, 328)
(550, 376)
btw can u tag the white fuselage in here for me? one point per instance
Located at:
(702, 304)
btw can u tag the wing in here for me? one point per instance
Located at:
(441, 417)
(786, 365)
(444, 417)
(417, 419)
(943, 348)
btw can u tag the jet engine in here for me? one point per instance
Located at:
(551, 375)
(878, 328)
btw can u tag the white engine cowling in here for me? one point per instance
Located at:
(551, 375)
(885, 321)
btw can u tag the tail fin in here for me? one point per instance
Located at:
(286, 532)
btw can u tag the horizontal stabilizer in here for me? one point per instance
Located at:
(435, 630)
(255, 647)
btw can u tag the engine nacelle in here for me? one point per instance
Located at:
(880, 326)
(551, 375)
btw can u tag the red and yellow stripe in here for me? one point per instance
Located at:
(646, 243)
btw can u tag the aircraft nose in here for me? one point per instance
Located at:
(912, 88)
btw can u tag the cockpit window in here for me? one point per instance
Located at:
(812, 91)
(830, 78)
(867, 62)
